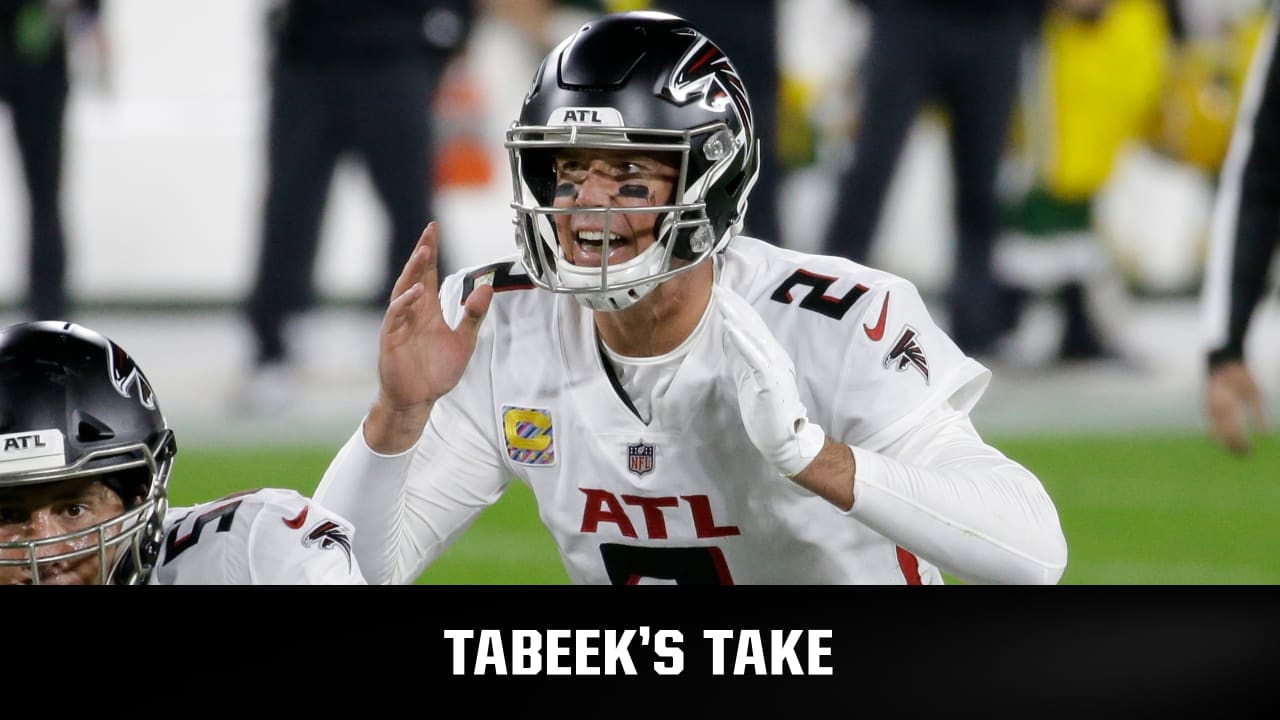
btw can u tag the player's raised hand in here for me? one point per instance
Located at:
(1232, 402)
(775, 418)
(420, 357)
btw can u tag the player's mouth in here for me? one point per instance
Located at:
(46, 578)
(60, 577)
(588, 248)
(60, 573)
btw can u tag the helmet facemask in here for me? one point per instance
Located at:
(126, 545)
(683, 233)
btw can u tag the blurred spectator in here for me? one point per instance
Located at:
(965, 56)
(1200, 94)
(34, 83)
(1093, 90)
(1244, 233)
(347, 76)
(747, 30)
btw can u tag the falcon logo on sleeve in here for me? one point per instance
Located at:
(329, 535)
(906, 352)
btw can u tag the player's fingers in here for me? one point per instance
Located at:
(1227, 429)
(401, 313)
(412, 270)
(1258, 413)
(766, 359)
(738, 317)
(1238, 443)
(751, 354)
(1224, 406)
(430, 276)
(474, 310)
(739, 368)
(431, 240)
(738, 313)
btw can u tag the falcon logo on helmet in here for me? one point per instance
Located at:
(705, 73)
(125, 375)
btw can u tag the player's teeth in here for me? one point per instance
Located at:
(596, 237)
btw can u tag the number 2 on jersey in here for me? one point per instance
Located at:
(817, 299)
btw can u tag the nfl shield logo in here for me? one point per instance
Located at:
(640, 458)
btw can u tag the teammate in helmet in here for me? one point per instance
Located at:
(85, 458)
(687, 404)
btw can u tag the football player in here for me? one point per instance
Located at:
(687, 406)
(85, 457)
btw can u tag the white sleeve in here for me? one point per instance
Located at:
(892, 380)
(944, 494)
(296, 541)
(409, 507)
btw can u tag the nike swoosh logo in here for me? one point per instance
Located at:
(877, 332)
(297, 522)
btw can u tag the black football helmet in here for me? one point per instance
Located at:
(645, 81)
(74, 404)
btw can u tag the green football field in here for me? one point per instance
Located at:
(1145, 510)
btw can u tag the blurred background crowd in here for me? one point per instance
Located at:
(233, 183)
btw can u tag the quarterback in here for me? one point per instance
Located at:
(85, 457)
(686, 404)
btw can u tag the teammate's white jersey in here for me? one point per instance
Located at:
(261, 537)
(684, 497)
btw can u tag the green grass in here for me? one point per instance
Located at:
(1167, 510)
(1161, 510)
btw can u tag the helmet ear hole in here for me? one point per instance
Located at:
(131, 485)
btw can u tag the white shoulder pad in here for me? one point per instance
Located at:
(261, 537)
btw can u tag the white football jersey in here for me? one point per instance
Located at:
(261, 537)
(686, 497)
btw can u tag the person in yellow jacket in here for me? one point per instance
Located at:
(1094, 85)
